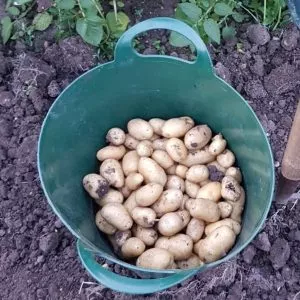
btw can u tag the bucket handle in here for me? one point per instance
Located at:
(124, 51)
(125, 284)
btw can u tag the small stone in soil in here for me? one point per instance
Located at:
(290, 39)
(7, 99)
(262, 242)
(258, 34)
(223, 72)
(255, 89)
(49, 242)
(53, 89)
(248, 254)
(280, 253)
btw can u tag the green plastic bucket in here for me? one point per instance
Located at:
(133, 86)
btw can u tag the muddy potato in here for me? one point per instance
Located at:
(134, 181)
(234, 225)
(177, 127)
(226, 159)
(230, 189)
(125, 191)
(197, 173)
(235, 173)
(103, 225)
(157, 125)
(195, 229)
(198, 157)
(171, 170)
(176, 149)
(115, 136)
(152, 171)
(185, 217)
(117, 215)
(191, 188)
(181, 171)
(163, 159)
(111, 196)
(140, 129)
(225, 209)
(130, 142)
(170, 224)
(113, 152)
(121, 237)
(218, 145)
(211, 191)
(144, 216)
(170, 200)
(217, 165)
(192, 262)
(130, 202)
(112, 171)
(130, 162)
(147, 235)
(133, 247)
(155, 258)
(175, 182)
(159, 144)
(95, 185)
(216, 244)
(197, 137)
(238, 207)
(203, 209)
(148, 194)
(144, 148)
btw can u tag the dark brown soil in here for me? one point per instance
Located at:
(37, 253)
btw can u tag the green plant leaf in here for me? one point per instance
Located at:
(212, 29)
(65, 4)
(120, 4)
(117, 27)
(6, 29)
(14, 11)
(238, 17)
(178, 40)
(91, 30)
(190, 10)
(222, 9)
(21, 2)
(87, 4)
(42, 21)
(228, 32)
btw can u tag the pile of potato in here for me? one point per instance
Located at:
(169, 194)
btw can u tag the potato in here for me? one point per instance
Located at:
(103, 225)
(211, 191)
(226, 159)
(217, 165)
(140, 129)
(133, 247)
(115, 136)
(152, 171)
(198, 157)
(159, 144)
(130, 142)
(121, 237)
(175, 182)
(134, 181)
(113, 152)
(157, 125)
(169, 201)
(216, 244)
(197, 137)
(117, 215)
(144, 216)
(130, 202)
(205, 182)
(147, 235)
(203, 209)
(173, 266)
(112, 171)
(225, 209)
(181, 171)
(130, 162)
(163, 159)
(144, 148)
(184, 199)
(176, 149)
(95, 185)
(177, 127)
(170, 224)
(154, 137)
(125, 191)
(230, 189)
(195, 229)
(234, 225)
(235, 173)
(238, 207)
(192, 262)
(171, 170)
(197, 173)
(191, 188)
(217, 145)
(185, 217)
(155, 258)
(148, 194)
(111, 196)
(180, 245)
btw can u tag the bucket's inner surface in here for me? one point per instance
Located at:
(109, 96)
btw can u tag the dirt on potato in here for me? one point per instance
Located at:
(38, 259)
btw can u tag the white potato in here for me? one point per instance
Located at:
(96, 185)
(163, 159)
(170, 224)
(147, 235)
(225, 209)
(226, 159)
(111, 196)
(115, 136)
(235, 173)
(198, 157)
(125, 191)
(181, 171)
(155, 258)
(191, 188)
(159, 144)
(140, 129)
(197, 137)
(197, 173)
(130, 202)
(134, 180)
(103, 225)
(144, 216)
(132, 247)
(144, 148)
(190, 263)
(238, 207)
(234, 225)
(195, 229)
(211, 191)
(113, 152)
(112, 171)
(157, 125)
(171, 170)
(130, 142)
(176, 149)
(217, 145)
(130, 162)
(177, 127)
(148, 194)
(175, 182)
(230, 189)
